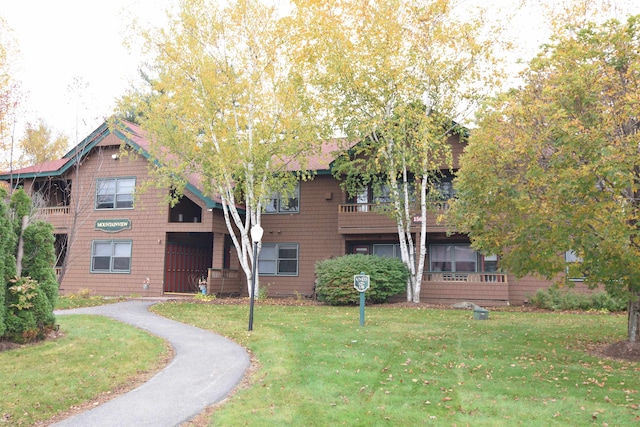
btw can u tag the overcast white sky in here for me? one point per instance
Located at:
(63, 41)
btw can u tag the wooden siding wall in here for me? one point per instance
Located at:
(149, 225)
(314, 228)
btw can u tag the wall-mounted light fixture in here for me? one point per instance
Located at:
(115, 156)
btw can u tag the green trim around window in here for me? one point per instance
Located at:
(115, 193)
(278, 259)
(111, 256)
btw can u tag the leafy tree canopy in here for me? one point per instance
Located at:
(394, 76)
(223, 99)
(555, 164)
(39, 145)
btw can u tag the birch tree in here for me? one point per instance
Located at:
(223, 103)
(400, 77)
(555, 164)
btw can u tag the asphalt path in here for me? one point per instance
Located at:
(205, 369)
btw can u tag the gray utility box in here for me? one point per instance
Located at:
(480, 314)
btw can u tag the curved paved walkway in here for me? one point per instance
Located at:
(206, 367)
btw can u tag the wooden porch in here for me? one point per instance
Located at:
(222, 281)
(482, 288)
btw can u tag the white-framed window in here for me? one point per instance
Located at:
(571, 257)
(278, 259)
(283, 203)
(388, 250)
(453, 257)
(111, 256)
(444, 189)
(383, 195)
(490, 263)
(115, 193)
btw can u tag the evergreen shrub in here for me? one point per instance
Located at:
(334, 284)
(27, 302)
(39, 257)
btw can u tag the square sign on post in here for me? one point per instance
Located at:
(361, 282)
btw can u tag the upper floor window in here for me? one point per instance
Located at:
(115, 193)
(111, 256)
(444, 189)
(283, 203)
(278, 259)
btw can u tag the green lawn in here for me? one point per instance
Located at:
(317, 366)
(410, 367)
(96, 355)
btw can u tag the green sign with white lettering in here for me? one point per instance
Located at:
(361, 282)
(113, 225)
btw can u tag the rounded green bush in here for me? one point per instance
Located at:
(334, 285)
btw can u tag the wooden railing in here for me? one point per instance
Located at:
(223, 273)
(484, 277)
(358, 207)
(56, 210)
(382, 207)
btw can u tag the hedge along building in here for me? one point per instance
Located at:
(113, 243)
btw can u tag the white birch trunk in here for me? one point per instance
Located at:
(242, 243)
(423, 238)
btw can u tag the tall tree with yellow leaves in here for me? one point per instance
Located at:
(9, 96)
(555, 164)
(39, 145)
(401, 77)
(222, 101)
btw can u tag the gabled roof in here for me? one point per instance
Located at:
(322, 161)
(42, 169)
(135, 137)
(131, 135)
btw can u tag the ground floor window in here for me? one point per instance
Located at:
(453, 257)
(111, 256)
(572, 259)
(387, 250)
(278, 259)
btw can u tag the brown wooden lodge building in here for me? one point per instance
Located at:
(148, 248)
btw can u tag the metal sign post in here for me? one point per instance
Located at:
(361, 283)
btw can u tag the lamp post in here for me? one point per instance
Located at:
(256, 236)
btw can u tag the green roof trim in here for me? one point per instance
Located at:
(88, 143)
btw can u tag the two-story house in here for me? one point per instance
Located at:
(114, 243)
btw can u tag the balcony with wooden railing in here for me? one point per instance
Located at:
(362, 218)
(54, 211)
(485, 277)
